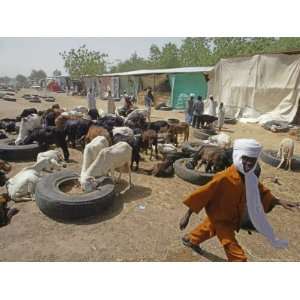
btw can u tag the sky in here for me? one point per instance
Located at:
(21, 55)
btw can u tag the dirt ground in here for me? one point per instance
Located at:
(142, 225)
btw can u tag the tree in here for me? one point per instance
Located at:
(21, 80)
(5, 80)
(155, 56)
(195, 52)
(37, 75)
(170, 56)
(82, 61)
(133, 63)
(56, 73)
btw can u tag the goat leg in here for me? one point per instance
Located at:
(281, 162)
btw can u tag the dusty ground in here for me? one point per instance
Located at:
(142, 225)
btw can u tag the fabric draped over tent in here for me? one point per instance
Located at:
(262, 87)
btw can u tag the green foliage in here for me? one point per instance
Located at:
(82, 61)
(133, 63)
(205, 52)
(37, 75)
(56, 73)
(21, 81)
(5, 80)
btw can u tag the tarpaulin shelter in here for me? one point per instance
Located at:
(259, 88)
(178, 83)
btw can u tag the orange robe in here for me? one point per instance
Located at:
(224, 200)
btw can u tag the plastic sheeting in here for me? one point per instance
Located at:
(182, 85)
(261, 87)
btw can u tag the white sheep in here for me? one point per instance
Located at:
(286, 152)
(126, 131)
(55, 157)
(116, 157)
(23, 184)
(91, 151)
(222, 140)
(28, 124)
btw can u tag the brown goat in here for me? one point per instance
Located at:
(61, 120)
(95, 131)
(149, 139)
(177, 129)
(214, 158)
(5, 166)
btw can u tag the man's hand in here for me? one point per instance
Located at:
(185, 220)
(289, 204)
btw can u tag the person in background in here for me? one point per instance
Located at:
(212, 106)
(198, 108)
(221, 116)
(148, 102)
(91, 99)
(189, 109)
(111, 107)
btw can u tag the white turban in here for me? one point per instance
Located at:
(251, 148)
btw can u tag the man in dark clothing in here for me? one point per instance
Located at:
(189, 109)
(198, 108)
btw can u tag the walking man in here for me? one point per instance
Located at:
(227, 198)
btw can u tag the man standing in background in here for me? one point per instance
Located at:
(212, 106)
(91, 99)
(189, 109)
(198, 108)
(148, 102)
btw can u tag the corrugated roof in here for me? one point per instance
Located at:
(163, 71)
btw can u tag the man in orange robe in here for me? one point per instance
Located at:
(224, 199)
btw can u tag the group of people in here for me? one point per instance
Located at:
(195, 109)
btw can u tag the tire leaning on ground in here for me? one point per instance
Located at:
(191, 147)
(230, 121)
(269, 157)
(192, 176)
(18, 152)
(61, 206)
(203, 134)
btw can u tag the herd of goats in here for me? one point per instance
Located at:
(110, 143)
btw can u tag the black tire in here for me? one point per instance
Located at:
(230, 121)
(203, 134)
(269, 157)
(166, 108)
(281, 126)
(160, 105)
(67, 207)
(173, 121)
(18, 152)
(191, 147)
(9, 98)
(192, 176)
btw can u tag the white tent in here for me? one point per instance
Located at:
(261, 88)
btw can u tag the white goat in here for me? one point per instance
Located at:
(56, 158)
(27, 124)
(91, 151)
(23, 184)
(116, 157)
(286, 152)
(222, 140)
(123, 131)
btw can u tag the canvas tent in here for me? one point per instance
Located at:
(259, 88)
(177, 83)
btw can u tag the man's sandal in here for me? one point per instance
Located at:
(186, 242)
